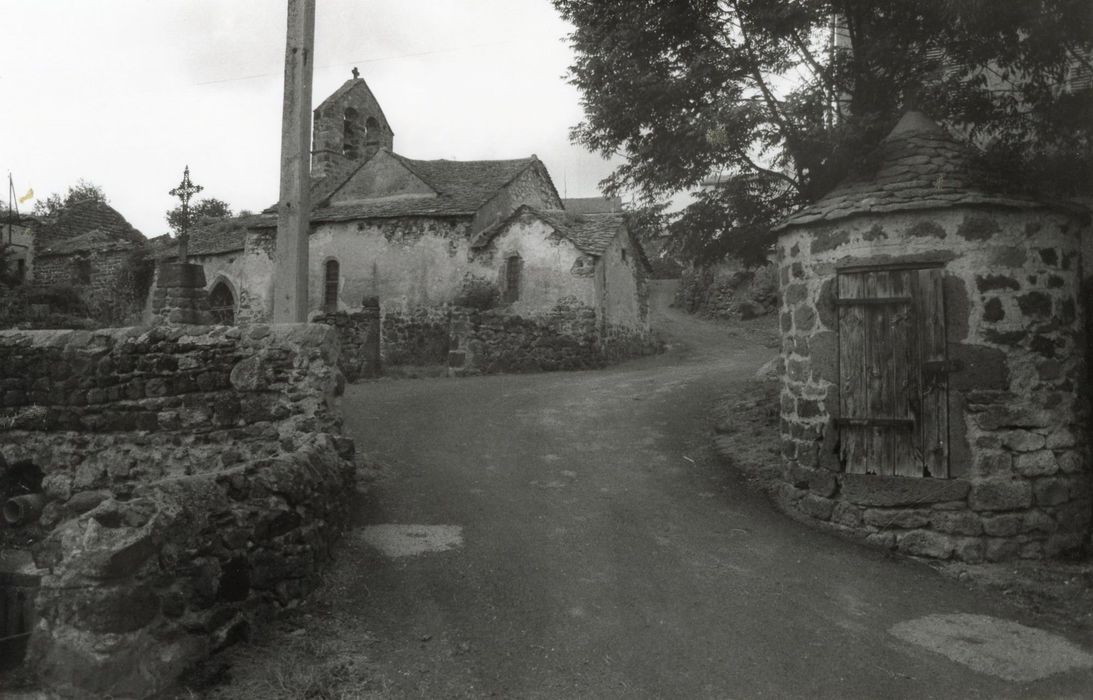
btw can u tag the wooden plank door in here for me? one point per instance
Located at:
(893, 387)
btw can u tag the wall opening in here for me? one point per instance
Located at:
(330, 286)
(893, 400)
(222, 304)
(513, 267)
(350, 133)
(82, 271)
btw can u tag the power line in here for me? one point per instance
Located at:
(379, 59)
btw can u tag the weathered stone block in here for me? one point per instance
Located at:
(1037, 521)
(1001, 549)
(891, 491)
(816, 507)
(794, 293)
(1006, 525)
(993, 464)
(846, 515)
(969, 549)
(1061, 438)
(1064, 543)
(1015, 416)
(1070, 462)
(906, 519)
(956, 522)
(804, 318)
(822, 483)
(1051, 492)
(1039, 463)
(924, 543)
(1000, 494)
(1023, 440)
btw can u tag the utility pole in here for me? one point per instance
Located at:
(294, 207)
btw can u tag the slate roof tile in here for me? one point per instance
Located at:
(462, 187)
(84, 226)
(917, 166)
(590, 233)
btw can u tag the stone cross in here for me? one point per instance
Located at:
(184, 192)
(294, 207)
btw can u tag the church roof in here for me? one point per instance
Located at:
(88, 224)
(592, 205)
(590, 233)
(214, 237)
(462, 187)
(917, 166)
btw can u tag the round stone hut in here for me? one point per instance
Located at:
(932, 332)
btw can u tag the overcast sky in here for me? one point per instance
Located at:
(124, 93)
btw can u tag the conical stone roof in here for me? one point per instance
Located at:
(918, 166)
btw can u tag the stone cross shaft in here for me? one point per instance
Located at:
(185, 190)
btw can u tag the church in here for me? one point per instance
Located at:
(416, 234)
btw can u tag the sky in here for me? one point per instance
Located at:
(125, 93)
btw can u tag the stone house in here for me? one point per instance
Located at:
(933, 398)
(549, 255)
(91, 247)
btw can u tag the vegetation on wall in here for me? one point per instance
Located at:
(761, 93)
(81, 191)
(477, 293)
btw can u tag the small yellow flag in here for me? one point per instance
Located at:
(28, 195)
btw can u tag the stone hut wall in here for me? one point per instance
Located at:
(193, 476)
(1019, 480)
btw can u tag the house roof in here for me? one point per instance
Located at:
(590, 233)
(213, 237)
(592, 205)
(462, 187)
(917, 166)
(85, 225)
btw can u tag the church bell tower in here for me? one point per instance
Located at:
(348, 127)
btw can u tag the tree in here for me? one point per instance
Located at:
(760, 92)
(210, 209)
(81, 191)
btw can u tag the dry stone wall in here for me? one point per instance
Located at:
(359, 338)
(193, 477)
(1019, 478)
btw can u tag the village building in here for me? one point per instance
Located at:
(933, 397)
(90, 246)
(409, 233)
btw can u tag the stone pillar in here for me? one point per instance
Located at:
(180, 295)
(370, 332)
(460, 332)
(294, 207)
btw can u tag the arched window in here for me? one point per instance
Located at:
(350, 135)
(330, 286)
(222, 304)
(513, 266)
(372, 132)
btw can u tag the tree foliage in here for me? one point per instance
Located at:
(208, 209)
(81, 191)
(759, 92)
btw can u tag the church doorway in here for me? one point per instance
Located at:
(222, 304)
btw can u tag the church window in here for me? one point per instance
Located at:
(330, 287)
(513, 267)
(222, 304)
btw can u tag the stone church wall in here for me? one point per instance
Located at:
(192, 477)
(1019, 476)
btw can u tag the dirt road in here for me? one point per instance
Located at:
(572, 535)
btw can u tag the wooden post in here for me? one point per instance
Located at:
(294, 207)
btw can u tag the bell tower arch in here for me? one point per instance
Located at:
(348, 127)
